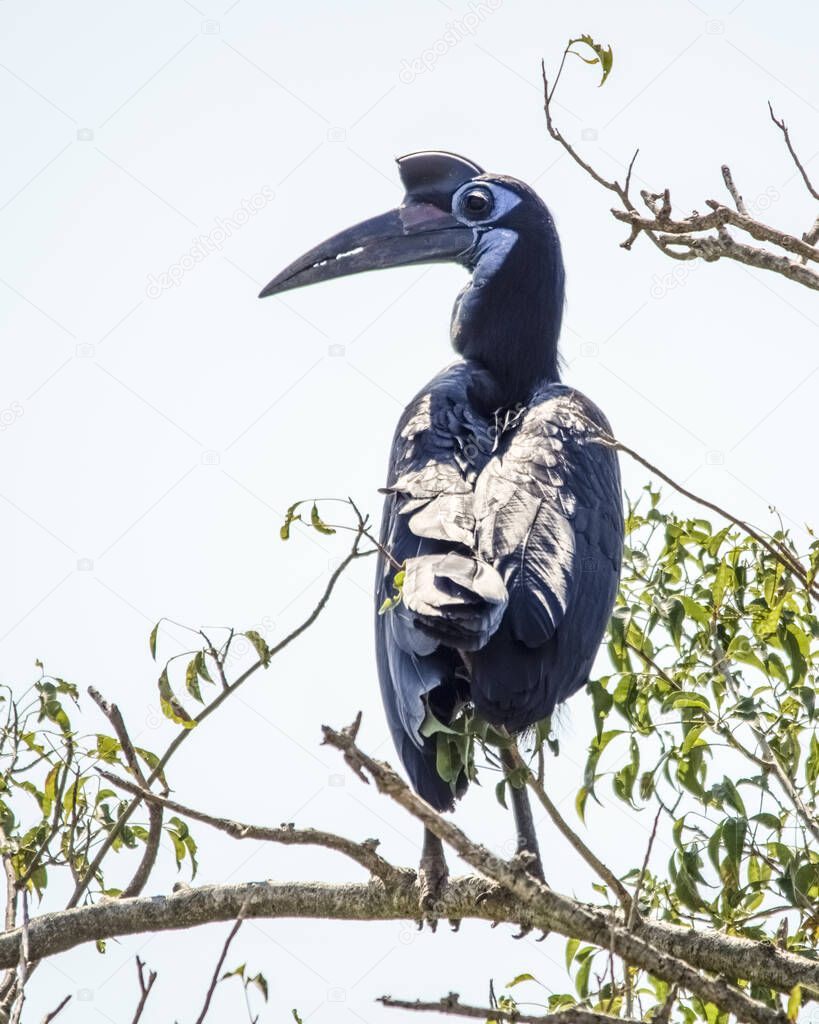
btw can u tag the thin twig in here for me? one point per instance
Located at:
(144, 988)
(362, 853)
(148, 859)
(11, 893)
(50, 1016)
(780, 554)
(780, 124)
(663, 1015)
(588, 855)
(22, 964)
(219, 964)
(679, 240)
(453, 1007)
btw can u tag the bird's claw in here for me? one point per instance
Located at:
(432, 878)
(491, 892)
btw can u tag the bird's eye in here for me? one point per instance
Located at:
(477, 204)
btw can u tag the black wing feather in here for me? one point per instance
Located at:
(534, 509)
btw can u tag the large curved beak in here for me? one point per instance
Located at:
(416, 232)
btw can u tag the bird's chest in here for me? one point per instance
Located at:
(477, 438)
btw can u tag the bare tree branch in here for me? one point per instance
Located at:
(144, 988)
(780, 124)
(146, 864)
(683, 239)
(190, 907)
(58, 1009)
(214, 981)
(778, 551)
(23, 961)
(453, 1007)
(362, 853)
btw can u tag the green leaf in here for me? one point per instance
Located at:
(202, 667)
(580, 803)
(794, 1002)
(581, 979)
(734, 831)
(602, 702)
(812, 762)
(698, 612)
(290, 517)
(432, 725)
(152, 640)
(192, 680)
(692, 737)
(260, 982)
(171, 707)
(603, 54)
(445, 763)
(317, 523)
(260, 646)
(571, 949)
(519, 978)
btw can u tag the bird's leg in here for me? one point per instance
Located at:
(432, 872)
(524, 823)
(526, 840)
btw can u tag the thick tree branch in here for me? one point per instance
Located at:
(568, 917)
(190, 907)
(362, 853)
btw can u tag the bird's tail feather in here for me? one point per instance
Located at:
(455, 599)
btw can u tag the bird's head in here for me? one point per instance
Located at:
(495, 226)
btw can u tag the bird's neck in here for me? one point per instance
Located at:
(508, 316)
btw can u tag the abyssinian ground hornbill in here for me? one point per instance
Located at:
(502, 505)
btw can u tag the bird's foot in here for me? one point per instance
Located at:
(433, 876)
(526, 863)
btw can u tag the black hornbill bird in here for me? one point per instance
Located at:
(502, 505)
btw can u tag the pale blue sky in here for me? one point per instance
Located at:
(150, 438)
